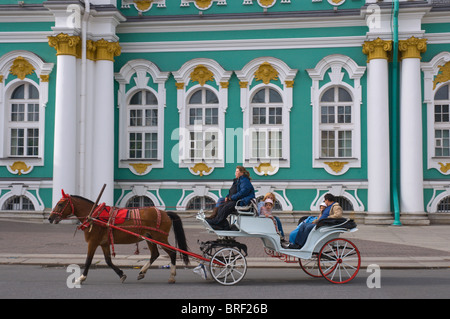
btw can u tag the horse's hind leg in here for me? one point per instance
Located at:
(173, 266)
(107, 254)
(154, 254)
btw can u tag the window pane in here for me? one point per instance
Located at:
(344, 114)
(275, 149)
(211, 145)
(32, 142)
(259, 115)
(135, 117)
(327, 144)
(17, 142)
(136, 99)
(211, 98)
(135, 145)
(259, 144)
(344, 96)
(196, 98)
(274, 96)
(327, 114)
(17, 112)
(19, 93)
(345, 143)
(259, 97)
(151, 145)
(275, 115)
(33, 92)
(151, 117)
(150, 98)
(211, 116)
(195, 116)
(442, 93)
(328, 96)
(33, 112)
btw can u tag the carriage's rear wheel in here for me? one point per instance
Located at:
(339, 261)
(228, 266)
(311, 266)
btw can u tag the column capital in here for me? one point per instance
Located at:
(377, 49)
(107, 50)
(64, 44)
(412, 48)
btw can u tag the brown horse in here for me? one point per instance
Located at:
(154, 224)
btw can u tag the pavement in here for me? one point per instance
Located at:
(390, 247)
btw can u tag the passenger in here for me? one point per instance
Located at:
(333, 210)
(262, 210)
(244, 194)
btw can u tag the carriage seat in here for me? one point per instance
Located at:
(250, 210)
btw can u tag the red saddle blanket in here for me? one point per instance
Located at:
(116, 217)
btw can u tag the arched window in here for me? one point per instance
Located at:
(336, 124)
(18, 203)
(139, 201)
(23, 121)
(444, 205)
(143, 126)
(203, 124)
(442, 122)
(201, 202)
(266, 124)
(344, 203)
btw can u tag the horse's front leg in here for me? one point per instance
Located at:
(107, 254)
(90, 255)
(154, 254)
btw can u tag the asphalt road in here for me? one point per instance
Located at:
(36, 282)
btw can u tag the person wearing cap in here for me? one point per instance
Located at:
(265, 210)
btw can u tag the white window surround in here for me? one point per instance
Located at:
(139, 70)
(23, 190)
(430, 70)
(333, 65)
(184, 92)
(42, 70)
(286, 76)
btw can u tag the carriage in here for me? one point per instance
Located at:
(324, 254)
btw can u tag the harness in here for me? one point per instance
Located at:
(116, 216)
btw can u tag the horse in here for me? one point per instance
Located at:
(153, 223)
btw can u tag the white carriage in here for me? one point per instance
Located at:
(323, 255)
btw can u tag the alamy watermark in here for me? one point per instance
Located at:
(374, 279)
(73, 279)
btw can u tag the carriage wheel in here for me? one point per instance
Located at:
(228, 266)
(311, 266)
(339, 261)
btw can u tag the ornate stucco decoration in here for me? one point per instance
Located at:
(336, 2)
(267, 3)
(444, 167)
(19, 168)
(140, 168)
(412, 48)
(203, 4)
(443, 76)
(377, 49)
(201, 74)
(266, 72)
(143, 5)
(266, 169)
(21, 68)
(65, 44)
(107, 50)
(336, 166)
(201, 169)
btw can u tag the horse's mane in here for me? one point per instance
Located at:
(82, 198)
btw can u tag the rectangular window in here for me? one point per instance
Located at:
(441, 114)
(17, 142)
(267, 144)
(442, 143)
(328, 144)
(345, 144)
(143, 146)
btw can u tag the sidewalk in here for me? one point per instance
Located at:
(36, 243)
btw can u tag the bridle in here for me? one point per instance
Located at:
(68, 200)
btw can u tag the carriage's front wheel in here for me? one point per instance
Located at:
(339, 261)
(228, 266)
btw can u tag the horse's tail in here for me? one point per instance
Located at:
(180, 237)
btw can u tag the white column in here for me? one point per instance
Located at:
(378, 161)
(411, 127)
(378, 137)
(411, 149)
(103, 154)
(65, 135)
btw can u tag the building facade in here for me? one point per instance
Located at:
(161, 100)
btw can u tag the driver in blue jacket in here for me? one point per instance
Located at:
(244, 193)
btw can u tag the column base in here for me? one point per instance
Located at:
(379, 218)
(414, 219)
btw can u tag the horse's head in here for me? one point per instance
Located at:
(63, 209)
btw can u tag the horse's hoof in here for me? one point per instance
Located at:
(171, 281)
(80, 280)
(123, 278)
(140, 276)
